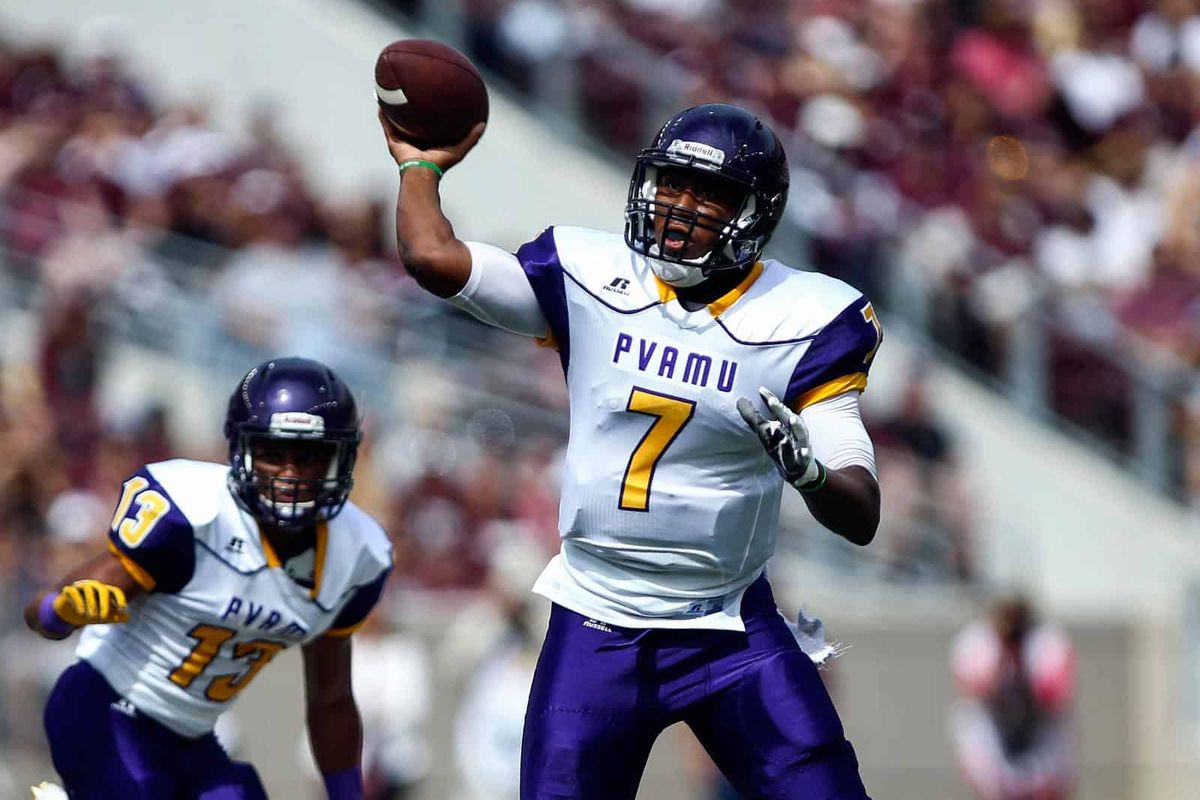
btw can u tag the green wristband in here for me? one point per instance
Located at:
(419, 163)
(817, 482)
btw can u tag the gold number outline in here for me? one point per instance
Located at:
(868, 315)
(670, 415)
(152, 507)
(130, 489)
(223, 688)
(209, 639)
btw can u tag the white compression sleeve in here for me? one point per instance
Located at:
(836, 430)
(498, 293)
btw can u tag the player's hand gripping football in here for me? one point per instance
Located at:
(445, 157)
(785, 437)
(90, 602)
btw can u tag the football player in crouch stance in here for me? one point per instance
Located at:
(671, 491)
(213, 570)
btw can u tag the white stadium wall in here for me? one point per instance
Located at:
(1086, 540)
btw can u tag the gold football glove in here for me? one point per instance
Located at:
(90, 602)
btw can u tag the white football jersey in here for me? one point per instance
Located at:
(670, 504)
(219, 604)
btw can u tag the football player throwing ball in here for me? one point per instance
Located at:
(704, 380)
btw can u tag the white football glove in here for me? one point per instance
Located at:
(785, 437)
(810, 635)
(48, 791)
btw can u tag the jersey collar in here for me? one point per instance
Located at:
(322, 540)
(666, 292)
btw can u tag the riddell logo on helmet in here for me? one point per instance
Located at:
(297, 421)
(697, 150)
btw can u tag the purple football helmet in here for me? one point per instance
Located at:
(292, 399)
(723, 141)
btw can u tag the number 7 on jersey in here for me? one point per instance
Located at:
(670, 415)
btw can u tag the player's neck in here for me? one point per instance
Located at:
(693, 298)
(291, 542)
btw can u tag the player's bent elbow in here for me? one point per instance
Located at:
(435, 270)
(864, 533)
(868, 526)
(858, 519)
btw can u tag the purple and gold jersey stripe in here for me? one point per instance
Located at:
(838, 358)
(846, 383)
(539, 259)
(151, 536)
(341, 633)
(354, 612)
(137, 573)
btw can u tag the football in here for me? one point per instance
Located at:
(431, 92)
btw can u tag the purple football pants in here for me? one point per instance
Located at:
(105, 750)
(602, 694)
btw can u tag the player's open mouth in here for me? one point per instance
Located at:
(674, 241)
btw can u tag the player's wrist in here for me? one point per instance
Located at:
(49, 620)
(409, 163)
(813, 479)
(344, 784)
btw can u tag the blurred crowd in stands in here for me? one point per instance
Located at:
(1023, 161)
(123, 219)
(109, 199)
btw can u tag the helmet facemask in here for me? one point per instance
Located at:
(290, 502)
(719, 142)
(736, 246)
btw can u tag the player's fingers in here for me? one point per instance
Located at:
(103, 602)
(799, 429)
(473, 136)
(389, 130)
(750, 414)
(74, 600)
(91, 598)
(65, 606)
(393, 134)
(775, 405)
(119, 600)
(117, 610)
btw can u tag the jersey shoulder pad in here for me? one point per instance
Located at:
(151, 535)
(604, 267)
(356, 606)
(362, 554)
(838, 355)
(197, 488)
(374, 544)
(360, 546)
(786, 305)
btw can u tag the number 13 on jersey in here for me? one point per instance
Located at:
(670, 414)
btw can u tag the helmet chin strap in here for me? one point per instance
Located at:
(680, 276)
